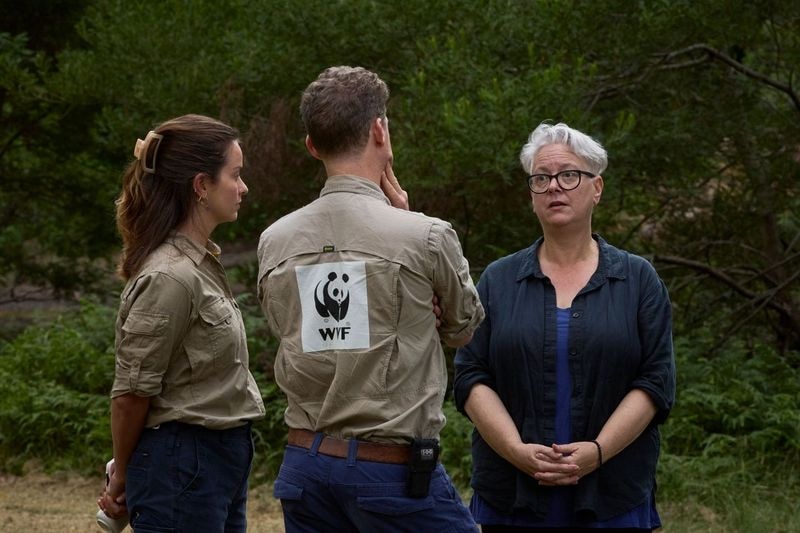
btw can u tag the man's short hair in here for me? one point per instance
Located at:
(339, 106)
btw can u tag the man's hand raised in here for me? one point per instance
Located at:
(392, 189)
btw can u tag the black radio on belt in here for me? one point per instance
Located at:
(424, 455)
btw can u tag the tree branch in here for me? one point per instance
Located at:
(686, 64)
(766, 300)
(729, 281)
(739, 67)
(663, 62)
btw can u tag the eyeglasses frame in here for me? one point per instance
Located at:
(555, 176)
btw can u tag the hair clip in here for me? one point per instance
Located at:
(143, 146)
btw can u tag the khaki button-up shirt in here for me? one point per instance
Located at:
(346, 284)
(180, 340)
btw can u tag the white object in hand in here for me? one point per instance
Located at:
(106, 523)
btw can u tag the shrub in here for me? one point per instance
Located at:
(456, 442)
(736, 422)
(54, 382)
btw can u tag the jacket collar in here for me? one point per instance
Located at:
(610, 265)
(191, 249)
(355, 185)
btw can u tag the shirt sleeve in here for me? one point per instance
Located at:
(268, 304)
(657, 370)
(154, 327)
(472, 360)
(462, 311)
(264, 283)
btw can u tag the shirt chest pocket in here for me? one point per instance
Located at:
(212, 343)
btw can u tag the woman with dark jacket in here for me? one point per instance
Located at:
(572, 371)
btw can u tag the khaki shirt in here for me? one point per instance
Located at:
(180, 340)
(346, 284)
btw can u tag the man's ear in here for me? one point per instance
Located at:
(379, 131)
(311, 148)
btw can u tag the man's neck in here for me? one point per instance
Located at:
(360, 166)
(368, 161)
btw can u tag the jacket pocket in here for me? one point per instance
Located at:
(212, 342)
(142, 351)
(147, 324)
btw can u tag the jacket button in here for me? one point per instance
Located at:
(576, 315)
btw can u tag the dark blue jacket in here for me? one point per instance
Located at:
(620, 339)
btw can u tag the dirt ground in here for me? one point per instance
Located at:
(66, 503)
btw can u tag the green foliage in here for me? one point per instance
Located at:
(742, 403)
(456, 442)
(693, 100)
(269, 433)
(54, 381)
(75, 351)
(732, 442)
(54, 211)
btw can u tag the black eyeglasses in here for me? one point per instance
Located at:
(566, 179)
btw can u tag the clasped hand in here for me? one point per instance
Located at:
(112, 499)
(559, 464)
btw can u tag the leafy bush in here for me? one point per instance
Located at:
(736, 423)
(269, 433)
(75, 350)
(53, 392)
(456, 442)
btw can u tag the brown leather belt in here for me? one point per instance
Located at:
(377, 452)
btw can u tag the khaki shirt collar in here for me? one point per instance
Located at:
(191, 249)
(355, 185)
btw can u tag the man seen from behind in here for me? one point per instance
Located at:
(347, 284)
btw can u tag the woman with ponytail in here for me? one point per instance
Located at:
(183, 398)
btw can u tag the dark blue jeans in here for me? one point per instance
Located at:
(185, 478)
(319, 493)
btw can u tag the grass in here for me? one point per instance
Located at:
(65, 502)
(712, 494)
(738, 511)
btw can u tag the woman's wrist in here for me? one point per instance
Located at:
(599, 453)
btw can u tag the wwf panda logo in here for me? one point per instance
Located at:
(334, 306)
(332, 297)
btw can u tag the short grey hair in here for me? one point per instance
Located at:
(579, 143)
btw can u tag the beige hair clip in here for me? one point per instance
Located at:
(143, 147)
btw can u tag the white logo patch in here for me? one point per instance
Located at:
(333, 299)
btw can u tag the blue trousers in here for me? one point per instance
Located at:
(320, 493)
(185, 478)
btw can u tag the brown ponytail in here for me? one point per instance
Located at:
(157, 194)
